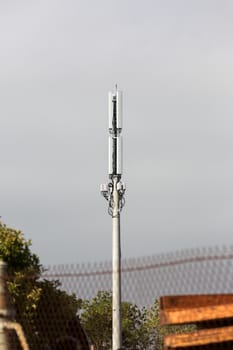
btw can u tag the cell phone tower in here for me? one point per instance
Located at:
(113, 192)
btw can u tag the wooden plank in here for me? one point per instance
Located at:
(199, 338)
(193, 301)
(199, 314)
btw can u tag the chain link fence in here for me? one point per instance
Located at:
(69, 306)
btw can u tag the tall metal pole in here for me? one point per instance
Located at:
(116, 270)
(114, 193)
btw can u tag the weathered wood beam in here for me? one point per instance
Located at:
(198, 338)
(195, 308)
(194, 300)
(200, 314)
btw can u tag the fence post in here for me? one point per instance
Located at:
(6, 309)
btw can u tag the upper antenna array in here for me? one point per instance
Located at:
(115, 112)
(115, 128)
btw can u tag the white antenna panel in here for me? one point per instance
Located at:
(110, 155)
(115, 155)
(115, 99)
(119, 98)
(110, 109)
(119, 155)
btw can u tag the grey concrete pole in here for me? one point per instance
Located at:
(116, 270)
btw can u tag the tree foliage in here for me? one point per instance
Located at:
(15, 251)
(42, 308)
(97, 321)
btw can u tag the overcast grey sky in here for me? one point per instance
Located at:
(174, 62)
